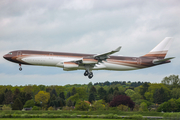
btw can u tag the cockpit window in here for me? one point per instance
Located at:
(10, 53)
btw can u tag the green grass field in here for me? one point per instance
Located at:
(55, 119)
(105, 112)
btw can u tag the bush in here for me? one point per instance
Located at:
(136, 108)
(166, 115)
(16, 115)
(2, 114)
(8, 116)
(143, 107)
(84, 116)
(18, 112)
(67, 108)
(83, 106)
(109, 116)
(137, 117)
(74, 115)
(122, 107)
(25, 115)
(171, 115)
(94, 116)
(112, 116)
(17, 105)
(36, 108)
(172, 105)
(44, 115)
(29, 103)
(34, 115)
(51, 108)
(98, 105)
(6, 107)
(122, 99)
(112, 108)
(102, 116)
(115, 116)
(65, 115)
(51, 115)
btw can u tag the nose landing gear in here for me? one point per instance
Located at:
(20, 68)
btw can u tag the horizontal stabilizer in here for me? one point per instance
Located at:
(162, 60)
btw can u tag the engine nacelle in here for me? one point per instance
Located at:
(89, 61)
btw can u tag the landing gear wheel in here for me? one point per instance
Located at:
(86, 73)
(20, 69)
(90, 75)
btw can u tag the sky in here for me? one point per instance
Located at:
(87, 26)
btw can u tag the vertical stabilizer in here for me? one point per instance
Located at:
(161, 49)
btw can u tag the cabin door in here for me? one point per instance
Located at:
(50, 55)
(19, 53)
(139, 61)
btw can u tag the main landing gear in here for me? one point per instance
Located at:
(20, 68)
(88, 73)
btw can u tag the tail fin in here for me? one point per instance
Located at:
(161, 49)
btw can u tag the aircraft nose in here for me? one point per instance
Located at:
(7, 57)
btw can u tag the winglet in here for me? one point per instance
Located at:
(117, 49)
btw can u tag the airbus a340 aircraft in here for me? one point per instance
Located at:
(89, 62)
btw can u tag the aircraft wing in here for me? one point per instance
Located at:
(104, 56)
(92, 60)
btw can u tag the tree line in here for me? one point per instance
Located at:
(121, 95)
(131, 84)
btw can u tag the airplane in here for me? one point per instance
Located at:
(89, 62)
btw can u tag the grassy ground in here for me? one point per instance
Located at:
(57, 119)
(106, 112)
